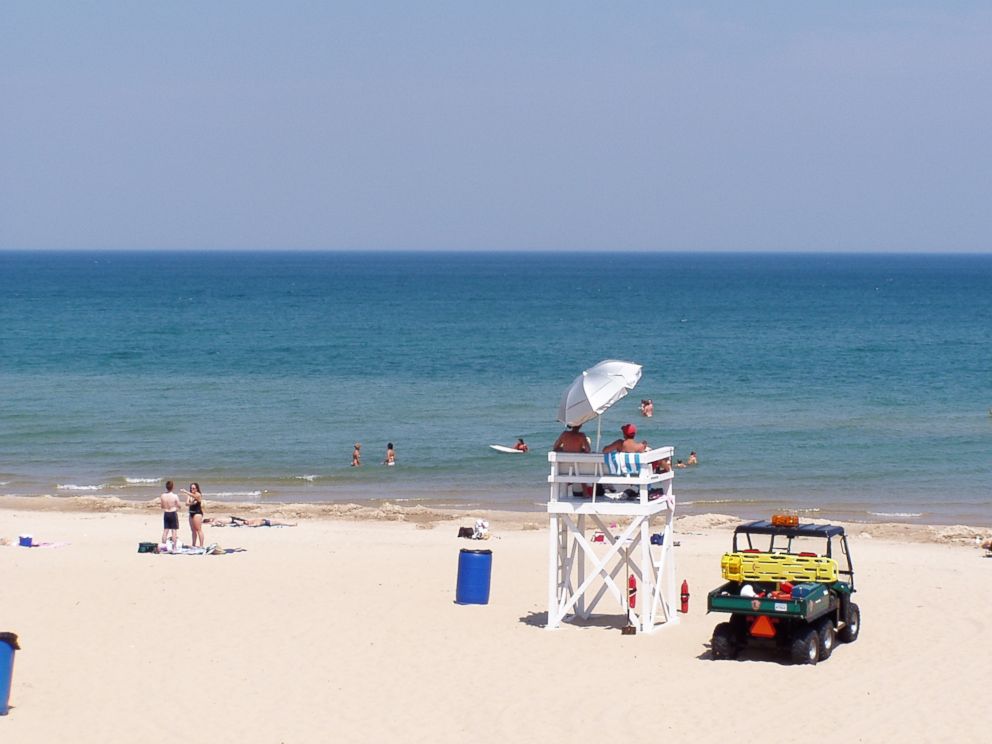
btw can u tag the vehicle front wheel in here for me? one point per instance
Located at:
(724, 644)
(828, 637)
(852, 624)
(806, 647)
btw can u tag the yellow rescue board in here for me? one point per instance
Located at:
(778, 567)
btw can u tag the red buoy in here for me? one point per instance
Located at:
(685, 596)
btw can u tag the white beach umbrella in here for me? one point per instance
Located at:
(595, 390)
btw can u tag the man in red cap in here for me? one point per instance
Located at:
(628, 443)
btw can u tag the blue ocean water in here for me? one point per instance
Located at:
(855, 387)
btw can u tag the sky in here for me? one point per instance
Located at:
(644, 126)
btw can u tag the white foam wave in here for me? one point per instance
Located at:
(230, 494)
(308, 478)
(73, 487)
(4, 483)
(141, 481)
(721, 501)
(896, 514)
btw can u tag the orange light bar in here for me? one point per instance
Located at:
(785, 520)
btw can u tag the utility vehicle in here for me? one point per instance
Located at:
(789, 585)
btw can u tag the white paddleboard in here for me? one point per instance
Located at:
(506, 450)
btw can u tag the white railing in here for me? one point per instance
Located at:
(573, 468)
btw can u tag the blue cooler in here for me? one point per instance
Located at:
(475, 568)
(8, 644)
(802, 591)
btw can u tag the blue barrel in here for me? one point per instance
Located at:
(475, 568)
(8, 644)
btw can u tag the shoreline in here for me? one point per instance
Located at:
(442, 490)
(430, 517)
(516, 488)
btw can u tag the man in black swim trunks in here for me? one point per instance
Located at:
(170, 515)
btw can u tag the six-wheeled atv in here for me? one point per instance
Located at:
(786, 586)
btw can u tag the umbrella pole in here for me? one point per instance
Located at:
(599, 423)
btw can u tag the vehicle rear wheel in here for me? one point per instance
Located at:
(852, 624)
(828, 637)
(724, 644)
(738, 624)
(806, 646)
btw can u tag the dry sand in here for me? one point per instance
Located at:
(344, 629)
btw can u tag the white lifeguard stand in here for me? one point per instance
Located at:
(577, 565)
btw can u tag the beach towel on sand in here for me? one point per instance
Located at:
(622, 463)
(50, 544)
(212, 549)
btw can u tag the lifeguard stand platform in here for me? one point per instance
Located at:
(583, 569)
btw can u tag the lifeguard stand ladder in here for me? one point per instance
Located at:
(577, 564)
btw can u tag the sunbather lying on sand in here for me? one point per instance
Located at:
(242, 522)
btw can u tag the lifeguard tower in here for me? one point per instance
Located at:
(584, 569)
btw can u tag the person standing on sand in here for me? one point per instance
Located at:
(356, 455)
(390, 455)
(194, 500)
(170, 515)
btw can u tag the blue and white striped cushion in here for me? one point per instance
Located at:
(622, 463)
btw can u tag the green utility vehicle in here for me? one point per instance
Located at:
(786, 586)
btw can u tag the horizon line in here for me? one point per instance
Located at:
(514, 251)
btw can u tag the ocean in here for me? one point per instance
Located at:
(853, 387)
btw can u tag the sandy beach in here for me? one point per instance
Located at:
(344, 628)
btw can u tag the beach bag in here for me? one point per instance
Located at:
(466, 532)
(481, 531)
(147, 547)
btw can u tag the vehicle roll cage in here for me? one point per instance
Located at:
(809, 530)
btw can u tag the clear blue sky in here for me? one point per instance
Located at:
(459, 125)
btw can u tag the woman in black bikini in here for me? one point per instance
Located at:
(194, 500)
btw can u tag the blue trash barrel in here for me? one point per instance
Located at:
(475, 568)
(8, 644)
